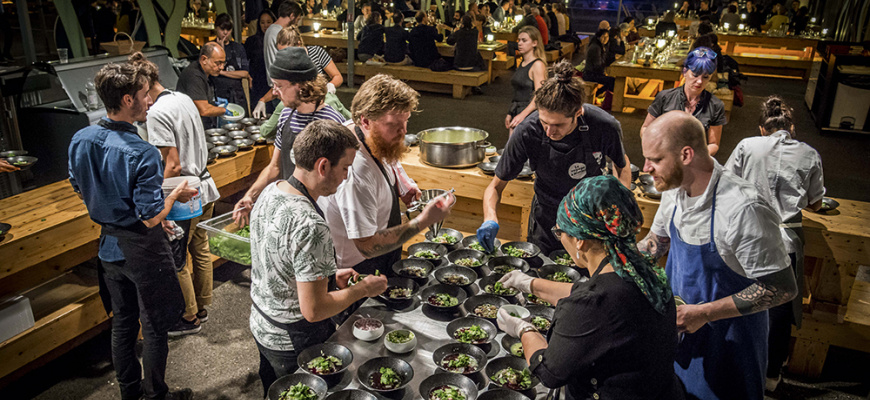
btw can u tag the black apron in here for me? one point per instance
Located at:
(304, 334)
(287, 139)
(148, 258)
(580, 162)
(384, 262)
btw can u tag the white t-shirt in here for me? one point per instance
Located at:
(290, 243)
(270, 48)
(360, 207)
(747, 233)
(174, 121)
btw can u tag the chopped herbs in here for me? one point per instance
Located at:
(467, 262)
(541, 323)
(324, 365)
(486, 310)
(400, 336)
(446, 392)
(299, 391)
(427, 254)
(515, 252)
(513, 379)
(499, 289)
(444, 239)
(471, 334)
(560, 277)
(443, 300)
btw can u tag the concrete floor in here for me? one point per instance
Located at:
(221, 362)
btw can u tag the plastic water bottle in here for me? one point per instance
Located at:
(93, 97)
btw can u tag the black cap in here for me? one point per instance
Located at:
(294, 65)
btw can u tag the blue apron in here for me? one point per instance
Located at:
(725, 359)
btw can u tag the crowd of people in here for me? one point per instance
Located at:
(327, 209)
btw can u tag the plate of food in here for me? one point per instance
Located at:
(446, 237)
(459, 358)
(467, 258)
(446, 386)
(385, 374)
(326, 360)
(415, 269)
(455, 275)
(472, 330)
(443, 297)
(298, 386)
(471, 242)
(490, 284)
(511, 373)
(432, 252)
(559, 273)
(485, 306)
(400, 291)
(504, 264)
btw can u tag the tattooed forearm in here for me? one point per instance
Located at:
(654, 245)
(768, 291)
(387, 240)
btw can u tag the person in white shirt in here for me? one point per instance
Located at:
(361, 19)
(289, 13)
(175, 128)
(791, 172)
(726, 260)
(363, 215)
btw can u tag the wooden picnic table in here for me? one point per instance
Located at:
(325, 23)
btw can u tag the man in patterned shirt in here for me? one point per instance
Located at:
(295, 285)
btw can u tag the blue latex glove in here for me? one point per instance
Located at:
(221, 102)
(228, 113)
(486, 235)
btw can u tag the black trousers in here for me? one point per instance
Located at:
(781, 318)
(126, 307)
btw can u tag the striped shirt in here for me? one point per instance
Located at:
(299, 121)
(320, 58)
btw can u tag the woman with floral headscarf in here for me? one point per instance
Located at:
(613, 336)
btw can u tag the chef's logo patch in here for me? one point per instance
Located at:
(577, 170)
(597, 156)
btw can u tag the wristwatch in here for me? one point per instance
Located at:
(526, 330)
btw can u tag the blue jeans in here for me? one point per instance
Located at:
(126, 306)
(275, 364)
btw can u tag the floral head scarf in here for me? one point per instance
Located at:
(601, 208)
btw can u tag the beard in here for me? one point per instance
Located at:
(139, 111)
(672, 181)
(383, 150)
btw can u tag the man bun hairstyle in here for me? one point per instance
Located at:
(563, 92)
(114, 81)
(146, 67)
(323, 138)
(776, 116)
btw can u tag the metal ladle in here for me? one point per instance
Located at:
(428, 196)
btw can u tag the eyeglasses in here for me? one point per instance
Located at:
(699, 52)
(557, 233)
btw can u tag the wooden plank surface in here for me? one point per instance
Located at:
(858, 308)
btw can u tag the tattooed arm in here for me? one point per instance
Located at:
(767, 291)
(387, 240)
(654, 245)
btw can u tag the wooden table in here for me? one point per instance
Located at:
(487, 50)
(198, 34)
(505, 35)
(325, 23)
(52, 233)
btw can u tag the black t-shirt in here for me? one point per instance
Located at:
(196, 84)
(710, 110)
(421, 43)
(607, 339)
(560, 165)
(396, 45)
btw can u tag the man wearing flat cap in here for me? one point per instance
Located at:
(295, 80)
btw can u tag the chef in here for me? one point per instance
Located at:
(564, 142)
(726, 260)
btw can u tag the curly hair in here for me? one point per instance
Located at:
(313, 91)
(146, 67)
(114, 81)
(382, 94)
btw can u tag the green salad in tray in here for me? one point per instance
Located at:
(299, 391)
(471, 334)
(227, 247)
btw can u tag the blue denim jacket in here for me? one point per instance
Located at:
(119, 176)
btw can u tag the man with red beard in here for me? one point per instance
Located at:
(363, 215)
(726, 260)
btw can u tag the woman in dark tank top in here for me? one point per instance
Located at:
(528, 76)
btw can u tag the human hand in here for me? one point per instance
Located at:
(413, 195)
(373, 285)
(168, 227)
(690, 318)
(221, 102)
(507, 121)
(436, 210)
(343, 275)
(182, 193)
(511, 325)
(6, 167)
(486, 235)
(228, 112)
(260, 110)
(242, 210)
(330, 87)
(518, 280)
(517, 119)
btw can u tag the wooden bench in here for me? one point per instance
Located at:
(459, 83)
(502, 64)
(566, 52)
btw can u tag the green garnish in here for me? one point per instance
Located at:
(537, 300)
(428, 254)
(477, 246)
(517, 349)
(299, 391)
(467, 262)
(541, 323)
(503, 269)
(514, 379)
(515, 252)
(444, 239)
(513, 314)
(443, 300)
(389, 378)
(564, 259)
(400, 336)
(446, 392)
(560, 277)
(324, 364)
(470, 334)
(377, 272)
(499, 289)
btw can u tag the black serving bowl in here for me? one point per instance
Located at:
(253, 130)
(541, 311)
(400, 267)
(258, 139)
(22, 162)
(283, 383)
(401, 367)
(230, 150)
(446, 231)
(440, 250)
(216, 132)
(472, 239)
(209, 146)
(529, 302)
(238, 135)
(534, 251)
(487, 167)
(234, 126)
(325, 349)
(211, 157)
(463, 348)
(496, 264)
(507, 341)
(557, 253)
(501, 363)
(441, 273)
(4, 228)
(465, 322)
(465, 385)
(218, 140)
(829, 204)
(491, 280)
(545, 271)
(635, 172)
(13, 153)
(495, 159)
(454, 291)
(403, 283)
(352, 394)
(243, 144)
(474, 301)
(501, 394)
(459, 254)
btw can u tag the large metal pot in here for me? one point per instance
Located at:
(453, 147)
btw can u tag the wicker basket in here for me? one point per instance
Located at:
(119, 47)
